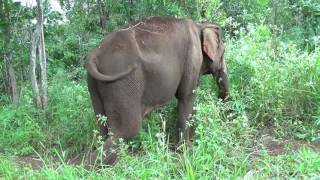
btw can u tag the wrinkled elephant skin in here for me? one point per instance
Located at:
(137, 69)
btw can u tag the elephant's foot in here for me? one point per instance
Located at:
(183, 146)
(106, 156)
(96, 160)
(184, 143)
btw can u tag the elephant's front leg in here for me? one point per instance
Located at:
(185, 107)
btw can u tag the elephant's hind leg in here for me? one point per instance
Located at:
(97, 105)
(119, 128)
(122, 125)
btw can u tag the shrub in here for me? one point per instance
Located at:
(278, 86)
(71, 120)
(21, 127)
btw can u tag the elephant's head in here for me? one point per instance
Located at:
(213, 61)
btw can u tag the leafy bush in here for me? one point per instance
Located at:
(21, 127)
(71, 118)
(68, 120)
(278, 86)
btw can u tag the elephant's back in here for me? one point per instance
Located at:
(162, 46)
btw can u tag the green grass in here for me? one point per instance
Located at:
(276, 97)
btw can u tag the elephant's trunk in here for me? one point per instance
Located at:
(222, 82)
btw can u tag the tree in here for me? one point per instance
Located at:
(7, 54)
(40, 96)
(103, 16)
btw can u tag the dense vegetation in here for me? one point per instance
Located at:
(269, 128)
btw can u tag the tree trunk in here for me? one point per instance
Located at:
(12, 78)
(42, 57)
(40, 96)
(43, 70)
(274, 30)
(103, 16)
(33, 50)
(10, 72)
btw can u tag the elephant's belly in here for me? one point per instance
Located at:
(159, 93)
(148, 108)
(162, 75)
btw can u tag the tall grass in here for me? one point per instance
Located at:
(278, 86)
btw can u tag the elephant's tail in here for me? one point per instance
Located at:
(92, 69)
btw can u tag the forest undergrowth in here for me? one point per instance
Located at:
(269, 128)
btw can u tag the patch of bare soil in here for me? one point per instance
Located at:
(30, 161)
(266, 141)
(35, 163)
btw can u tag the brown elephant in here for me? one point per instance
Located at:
(137, 69)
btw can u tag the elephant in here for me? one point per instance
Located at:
(143, 66)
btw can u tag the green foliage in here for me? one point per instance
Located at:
(276, 92)
(66, 122)
(273, 57)
(22, 128)
(13, 35)
(70, 115)
(222, 149)
(279, 88)
(8, 170)
(304, 164)
(273, 89)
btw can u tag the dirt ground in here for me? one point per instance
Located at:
(35, 163)
(264, 142)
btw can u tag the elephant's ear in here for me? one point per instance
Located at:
(211, 41)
